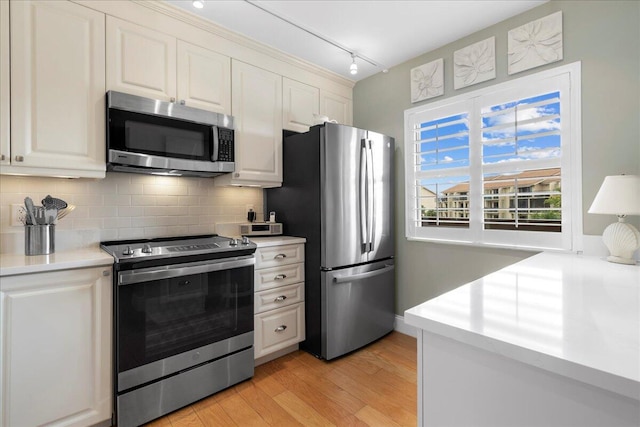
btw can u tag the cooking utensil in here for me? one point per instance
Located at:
(65, 211)
(53, 202)
(50, 215)
(28, 204)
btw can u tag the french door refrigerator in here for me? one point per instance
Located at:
(338, 193)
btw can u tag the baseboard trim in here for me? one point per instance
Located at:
(400, 326)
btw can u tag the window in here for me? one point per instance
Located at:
(498, 166)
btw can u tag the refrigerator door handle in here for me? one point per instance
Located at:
(371, 195)
(364, 202)
(341, 278)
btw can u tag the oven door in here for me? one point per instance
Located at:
(171, 318)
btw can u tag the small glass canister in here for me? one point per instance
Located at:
(39, 239)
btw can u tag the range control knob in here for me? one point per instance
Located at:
(245, 240)
(233, 242)
(147, 249)
(127, 251)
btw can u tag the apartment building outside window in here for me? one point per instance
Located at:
(499, 166)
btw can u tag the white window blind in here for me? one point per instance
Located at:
(498, 166)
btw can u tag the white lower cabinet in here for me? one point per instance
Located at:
(55, 348)
(279, 295)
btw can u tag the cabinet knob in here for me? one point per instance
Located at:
(182, 102)
(172, 99)
(2, 157)
(19, 158)
(280, 328)
(106, 273)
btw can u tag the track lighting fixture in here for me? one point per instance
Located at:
(198, 4)
(353, 69)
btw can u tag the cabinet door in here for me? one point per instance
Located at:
(55, 348)
(5, 153)
(204, 78)
(336, 107)
(257, 111)
(300, 103)
(57, 86)
(140, 61)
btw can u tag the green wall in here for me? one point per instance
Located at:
(605, 37)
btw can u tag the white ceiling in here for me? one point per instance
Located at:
(387, 32)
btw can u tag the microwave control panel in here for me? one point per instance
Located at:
(225, 145)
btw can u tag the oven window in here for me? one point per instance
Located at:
(159, 136)
(162, 318)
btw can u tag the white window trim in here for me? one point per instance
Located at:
(571, 238)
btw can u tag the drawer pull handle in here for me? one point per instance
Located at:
(280, 298)
(280, 277)
(280, 328)
(280, 256)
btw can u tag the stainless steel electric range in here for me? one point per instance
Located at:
(183, 314)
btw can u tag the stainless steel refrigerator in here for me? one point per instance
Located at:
(338, 192)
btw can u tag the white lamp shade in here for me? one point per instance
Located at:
(618, 195)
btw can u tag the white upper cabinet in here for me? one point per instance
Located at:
(336, 107)
(300, 103)
(257, 111)
(204, 78)
(155, 65)
(5, 152)
(140, 61)
(57, 89)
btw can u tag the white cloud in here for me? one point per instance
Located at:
(447, 159)
(523, 115)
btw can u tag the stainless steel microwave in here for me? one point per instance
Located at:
(164, 138)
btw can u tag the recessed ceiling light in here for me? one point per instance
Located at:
(198, 4)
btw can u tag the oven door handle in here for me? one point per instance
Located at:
(178, 270)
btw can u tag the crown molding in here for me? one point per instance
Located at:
(203, 24)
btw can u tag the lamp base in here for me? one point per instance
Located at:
(622, 240)
(620, 260)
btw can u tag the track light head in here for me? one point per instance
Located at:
(353, 69)
(198, 4)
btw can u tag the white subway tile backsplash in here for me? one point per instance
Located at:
(143, 200)
(128, 206)
(130, 211)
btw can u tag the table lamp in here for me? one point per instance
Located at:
(619, 195)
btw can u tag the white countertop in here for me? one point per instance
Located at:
(13, 264)
(263, 242)
(573, 315)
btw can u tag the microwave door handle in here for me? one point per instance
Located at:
(216, 144)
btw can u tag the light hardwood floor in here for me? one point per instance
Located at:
(375, 386)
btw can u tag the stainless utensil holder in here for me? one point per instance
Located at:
(39, 239)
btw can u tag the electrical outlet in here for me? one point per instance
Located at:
(18, 215)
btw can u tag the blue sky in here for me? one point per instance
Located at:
(537, 136)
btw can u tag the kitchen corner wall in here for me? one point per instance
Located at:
(604, 36)
(126, 206)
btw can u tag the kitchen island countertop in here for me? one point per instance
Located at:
(574, 315)
(14, 264)
(551, 340)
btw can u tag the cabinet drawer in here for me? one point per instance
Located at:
(277, 329)
(279, 255)
(278, 297)
(268, 278)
